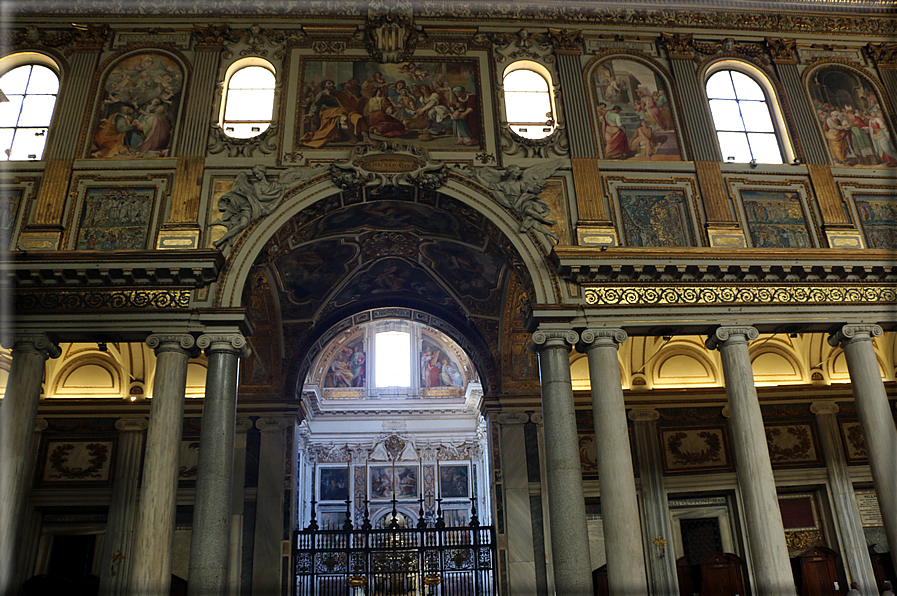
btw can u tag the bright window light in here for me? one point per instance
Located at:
(742, 119)
(528, 104)
(393, 359)
(249, 104)
(24, 119)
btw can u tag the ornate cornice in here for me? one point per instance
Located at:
(89, 299)
(851, 333)
(566, 41)
(725, 336)
(783, 51)
(728, 293)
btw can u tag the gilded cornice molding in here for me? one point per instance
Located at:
(852, 333)
(731, 294)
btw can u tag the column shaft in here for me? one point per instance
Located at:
(18, 416)
(210, 543)
(122, 518)
(619, 504)
(875, 418)
(151, 564)
(763, 518)
(656, 512)
(566, 503)
(856, 554)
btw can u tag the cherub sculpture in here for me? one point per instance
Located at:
(253, 196)
(519, 189)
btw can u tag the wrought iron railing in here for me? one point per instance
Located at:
(395, 561)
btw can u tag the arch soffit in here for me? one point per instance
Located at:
(250, 245)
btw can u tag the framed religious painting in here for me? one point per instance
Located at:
(876, 216)
(654, 213)
(774, 214)
(333, 483)
(454, 481)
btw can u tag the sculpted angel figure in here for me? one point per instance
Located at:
(519, 189)
(253, 196)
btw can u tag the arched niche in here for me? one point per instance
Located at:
(88, 376)
(773, 365)
(682, 366)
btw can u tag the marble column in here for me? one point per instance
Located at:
(151, 562)
(875, 417)
(763, 518)
(210, 542)
(18, 415)
(269, 517)
(616, 479)
(122, 518)
(853, 541)
(661, 560)
(566, 503)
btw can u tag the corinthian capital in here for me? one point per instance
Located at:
(731, 335)
(851, 333)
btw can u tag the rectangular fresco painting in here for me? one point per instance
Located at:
(454, 481)
(10, 199)
(405, 487)
(878, 218)
(115, 218)
(775, 219)
(635, 119)
(852, 119)
(348, 367)
(655, 217)
(431, 103)
(138, 108)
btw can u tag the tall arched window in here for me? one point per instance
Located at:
(529, 104)
(249, 100)
(26, 109)
(748, 122)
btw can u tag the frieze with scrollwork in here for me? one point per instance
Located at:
(116, 299)
(733, 294)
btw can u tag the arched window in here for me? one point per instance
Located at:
(529, 104)
(748, 121)
(26, 108)
(249, 100)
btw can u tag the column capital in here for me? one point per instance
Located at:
(820, 408)
(644, 414)
(33, 342)
(513, 418)
(273, 424)
(553, 338)
(782, 50)
(731, 335)
(129, 424)
(592, 338)
(224, 342)
(243, 424)
(172, 342)
(40, 424)
(851, 333)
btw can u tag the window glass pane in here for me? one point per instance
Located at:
(719, 86)
(5, 142)
(734, 147)
(746, 87)
(525, 80)
(28, 143)
(393, 351)
(15, 80)
(9, 110)
(756, 116)
(37, 110)
(249, 104)
(527, 107)
(765, 147)
(245, 130)
(43, 80)
(726, 115)
(252, 77)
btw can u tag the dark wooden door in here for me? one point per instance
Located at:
(721, 575)
(819, 572)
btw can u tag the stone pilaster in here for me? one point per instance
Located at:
(619, 505)
(120, 525)
(661, 560)
(566, 503)
(875, 418)
(210, 542)
(763, 519)
(18, 416)
(151, 562)
(885, 57)
(693, 102)
(856, 554)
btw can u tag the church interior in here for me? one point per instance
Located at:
(419, 298)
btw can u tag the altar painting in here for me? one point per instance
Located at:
(878, 218)
(775, 219)
(138, 108)
(345, 103)
(334, 484)
(348, 368)
(655, 217)
(454, 482)
(437, 368)
(401, 482)
(115, 218)
(634, 114)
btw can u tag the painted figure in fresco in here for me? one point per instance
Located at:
(154, 121)
(407, 484)
(836, 136)
(378, 110)
(357, 360)
(616, 145)
(435, 111)
(341, 370)
(451, 376)
(860, 141)
(432, 371)
(334, 116)
(464, 116)
(881, 138)
(114, 135)
(425, 358)
(381, 484)
(644, 143)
